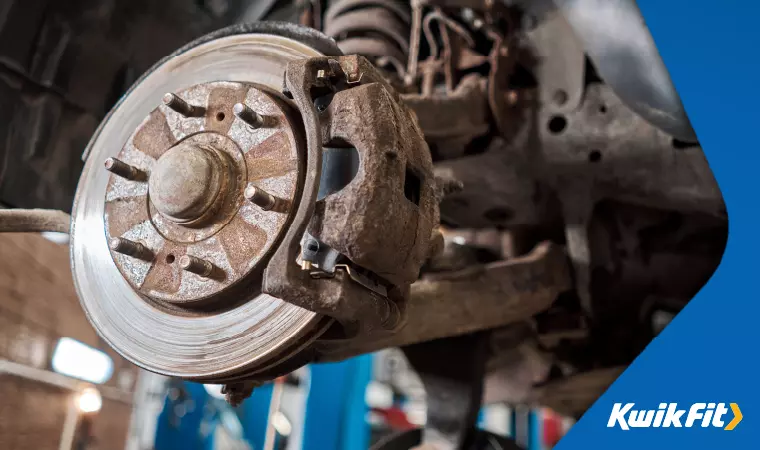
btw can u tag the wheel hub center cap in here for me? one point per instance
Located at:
(185, 182)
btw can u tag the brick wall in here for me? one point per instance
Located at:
(38, 305)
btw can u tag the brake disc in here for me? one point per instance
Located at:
(194, 206)
(212, 240)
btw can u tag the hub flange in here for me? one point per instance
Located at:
(191, 200)
(168, 269)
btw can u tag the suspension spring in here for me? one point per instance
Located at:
(376, 29)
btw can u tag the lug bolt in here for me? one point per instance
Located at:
(175, 103)
(196, 265)
(260, 198)
(247, 115)
(130, 248)
(124, 170)
(305, 265)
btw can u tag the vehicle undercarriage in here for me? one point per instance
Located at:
(510, 191)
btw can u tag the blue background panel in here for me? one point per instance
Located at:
(708, 353)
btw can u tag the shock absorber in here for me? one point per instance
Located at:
(376, 29)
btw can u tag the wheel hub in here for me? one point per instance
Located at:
(186, 180)
(177, 192)
(167, 250)
(203, 250)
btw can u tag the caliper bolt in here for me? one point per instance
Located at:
(196, 265)
(175, 103)
(124, 170)
(309, 253)
(130, 248)
(247, 115)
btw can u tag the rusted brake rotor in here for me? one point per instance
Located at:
(180, 226)
(170, 238)
(212, 240)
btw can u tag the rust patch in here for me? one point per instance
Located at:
(231, 234)
(383, 219)
(240, 240)
(219, 115)
(165, 276)
(267, 168)
(276, 146)
(129, 211)
(154, 137)
(274, 157)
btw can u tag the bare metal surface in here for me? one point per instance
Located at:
(218, 345)
(34, 220)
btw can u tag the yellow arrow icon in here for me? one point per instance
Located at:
(737, 417)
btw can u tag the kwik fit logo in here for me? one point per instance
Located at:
(669, 415)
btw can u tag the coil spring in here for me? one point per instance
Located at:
(376, 29)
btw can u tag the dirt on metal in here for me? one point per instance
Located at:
(198, 207)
